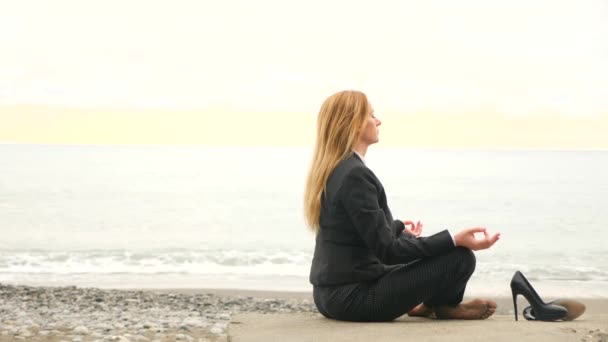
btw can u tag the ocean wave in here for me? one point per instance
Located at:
(246, 262)
(548, 272)
(157, 262)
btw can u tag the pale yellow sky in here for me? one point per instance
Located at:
(471, 73)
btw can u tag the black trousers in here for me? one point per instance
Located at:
(436, 281)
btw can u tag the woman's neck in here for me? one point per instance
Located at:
(361, 149)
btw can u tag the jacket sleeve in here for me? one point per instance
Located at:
(397, 227)
(359, 194)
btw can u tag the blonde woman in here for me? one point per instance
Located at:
(367, 266)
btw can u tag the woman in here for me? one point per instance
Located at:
(367, 266)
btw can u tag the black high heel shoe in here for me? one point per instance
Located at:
(542, 311)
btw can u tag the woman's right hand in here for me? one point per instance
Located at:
(466, 238)
(416, 229)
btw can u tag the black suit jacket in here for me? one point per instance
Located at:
(358, 239)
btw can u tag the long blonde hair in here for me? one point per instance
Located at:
(339, 126)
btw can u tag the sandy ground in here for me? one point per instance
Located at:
(313, 327)
(266, 320)
(591, 326)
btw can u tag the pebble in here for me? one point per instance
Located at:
(81, 330)
(23, 332)
(90, 314)
(225, 316)
(216, 330)
(194, 322)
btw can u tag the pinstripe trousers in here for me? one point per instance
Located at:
(435, 281)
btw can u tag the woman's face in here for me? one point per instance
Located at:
(371, 130)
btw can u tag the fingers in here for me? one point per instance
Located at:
(415, 228)
(476, 230)
(467, 238)
(488, 241)
(494, 238)
(406, 224)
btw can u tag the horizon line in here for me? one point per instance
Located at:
(300, 146)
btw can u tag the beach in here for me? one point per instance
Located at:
(151, 244)
(91, 314)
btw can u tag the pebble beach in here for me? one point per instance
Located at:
(80, 314)
(90, 314)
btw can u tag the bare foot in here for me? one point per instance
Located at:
(421, 310)
(473, 309)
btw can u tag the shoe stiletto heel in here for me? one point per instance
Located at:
(543, 311)
(514, 302)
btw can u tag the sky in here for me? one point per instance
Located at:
(455, 74)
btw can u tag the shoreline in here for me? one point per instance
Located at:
(599, 303)
(596, 301)
(290, 284)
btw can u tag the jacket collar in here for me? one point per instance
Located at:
(360, 157)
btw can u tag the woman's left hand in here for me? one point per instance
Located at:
(416, 229)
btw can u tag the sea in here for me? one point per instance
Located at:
(232, 217)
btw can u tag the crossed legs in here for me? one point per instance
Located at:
(425, 287)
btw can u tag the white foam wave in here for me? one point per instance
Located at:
(295, 263)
